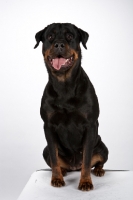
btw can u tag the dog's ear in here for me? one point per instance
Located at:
(38, 37)
(83, 37)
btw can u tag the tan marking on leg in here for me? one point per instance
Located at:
(98, 170)
(85, 183)
(57, 178)
(95, 159)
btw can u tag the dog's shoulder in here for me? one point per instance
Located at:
(85, 85)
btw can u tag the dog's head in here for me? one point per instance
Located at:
(61, 46)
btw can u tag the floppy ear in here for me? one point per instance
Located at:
(83, 37)
(38, 37)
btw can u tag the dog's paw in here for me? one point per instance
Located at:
(63, 171)
(57, 182)
(85, 185)
(97, 171)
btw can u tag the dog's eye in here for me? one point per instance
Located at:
(69, 36)
(51, 37)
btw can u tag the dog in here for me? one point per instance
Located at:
(69, 108)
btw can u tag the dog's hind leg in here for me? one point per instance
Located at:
(99, 157)
(46, 156)
(97, 163)
(63, 165)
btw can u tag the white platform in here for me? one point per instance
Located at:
(115, 185)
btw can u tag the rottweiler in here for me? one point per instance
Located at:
(69, 107)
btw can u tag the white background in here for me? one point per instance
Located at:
(108, 62)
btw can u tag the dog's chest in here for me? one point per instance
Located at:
(70, 134)
(69, 124)
(68, 112)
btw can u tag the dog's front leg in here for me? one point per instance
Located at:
(85, 183)
(57, 178)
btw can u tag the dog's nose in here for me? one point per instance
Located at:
(59, 46)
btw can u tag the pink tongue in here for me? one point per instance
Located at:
(58, 62)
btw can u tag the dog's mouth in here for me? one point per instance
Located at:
(61, 62)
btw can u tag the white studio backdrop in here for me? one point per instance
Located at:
(108, 63)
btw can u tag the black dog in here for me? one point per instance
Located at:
(69, 107)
